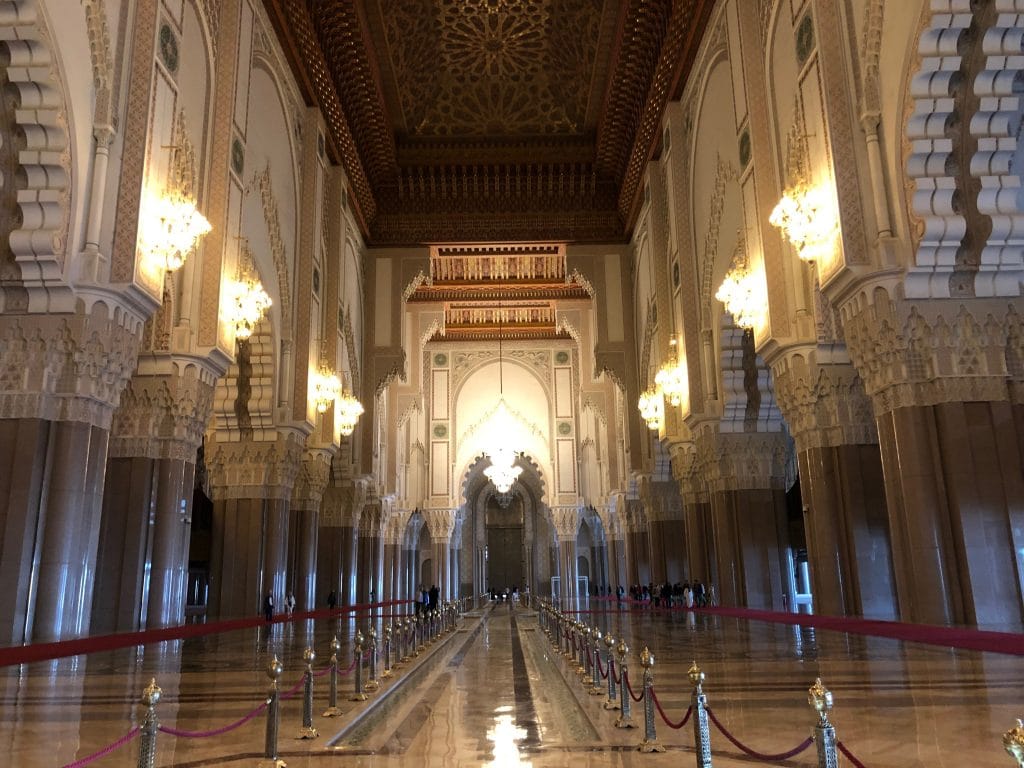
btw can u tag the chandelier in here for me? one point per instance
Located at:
(807, 219)
(247, 302)
(348, 410)
(671, 378)
(503, 472)
(170, 225)
(743, 291)
(652, 408)
(325, 383)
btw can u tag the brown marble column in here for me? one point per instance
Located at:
(236, 558)
(698, 543)
(348, 543)
(955, 496)
(750, 533)
(388, 587)
(168, 573)
(328, 564)
(848, 531)
(441, 556)
(69, 531)
(306, 530)
(129, 505)
(365, 570)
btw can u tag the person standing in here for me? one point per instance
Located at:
(289, 604)
(332, 600)
(268, 607)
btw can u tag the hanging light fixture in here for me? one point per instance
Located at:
(325, 383)
(806, 216)
(743, 290)
(671, 378)
(170, 224)
(652, 408)
(247, 301)
(348, 410)
(503, 472)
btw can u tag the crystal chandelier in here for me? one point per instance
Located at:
(652, 408)
(348, 410)
(247, 300)
(325, 383)
(503, 472)
(171, 228)
(743, 291)
(807, 219)
(671, 378)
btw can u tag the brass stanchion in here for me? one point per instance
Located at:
(584, 669)
(307, 731)
(270, 758)
(332, 700)
(701, 726)
(357, 694)
(147, 740)
(387, 653)
(626, 715)
(650, 740)
(1013, 743)
(595, 665)
(820, 700)
(609, 644)
(372, 683)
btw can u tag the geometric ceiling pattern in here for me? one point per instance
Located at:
(492, 120)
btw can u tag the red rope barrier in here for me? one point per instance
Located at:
(758, 755)
(669, 723)
(856, 763)
(216, 731)
(106, 750)
(294, 689)
(629, 687)
(600, 668)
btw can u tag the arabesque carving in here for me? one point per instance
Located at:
(253, 470)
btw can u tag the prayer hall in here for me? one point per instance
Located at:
(511, 383)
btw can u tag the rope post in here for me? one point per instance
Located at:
(357, 693)
(1013, 743)
(270, 758)
(820, 700)
(387, 653)
(609, 644)
(403, 637)
(307, 731)
(701, 727)
(650, 740)
(420, 634)
(147, 744)
(332, 700)
(596, 689)
(372, 683)
(626, 716)
(585, 657)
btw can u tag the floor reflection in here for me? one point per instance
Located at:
(506, 736)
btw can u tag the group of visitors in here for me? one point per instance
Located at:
(509, 593)
(427, 599)
(268, 606)
(678, 595)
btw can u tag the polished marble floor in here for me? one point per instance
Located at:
(494, 693)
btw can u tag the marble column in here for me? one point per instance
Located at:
(365, 571)
(251, 484)
(307, 500)
(567, 525)
(440, 524)
(328, 563)
(388, 587)
(172, 528)
(70, 504)
(696, 517)
(956, 510)
(348, 548)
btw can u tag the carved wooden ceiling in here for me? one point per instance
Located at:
(492, 120)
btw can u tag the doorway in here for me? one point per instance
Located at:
(504, 527)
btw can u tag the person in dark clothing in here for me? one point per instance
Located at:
(332, 600)
(434, 594)
(268, 607)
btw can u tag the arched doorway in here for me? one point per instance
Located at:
(504, 528)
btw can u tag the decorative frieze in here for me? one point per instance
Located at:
(741, 461)
(311, 481)
(254, 469)
(164, 415)
(566, 521)
(70, 367)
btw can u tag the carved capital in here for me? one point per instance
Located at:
(164, 410)
(311, 481)
(822, 398)
(919, 353)
(732, 461)
(440, 523)
(67, 367)
(263, 469)
(566, 521)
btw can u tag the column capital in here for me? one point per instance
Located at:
(566, 521)
(929, 351)
(312, 478)
(822, 397)
(264, 469)
(67, 367)
(164, 410)
(734, 461)
(440, 523)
